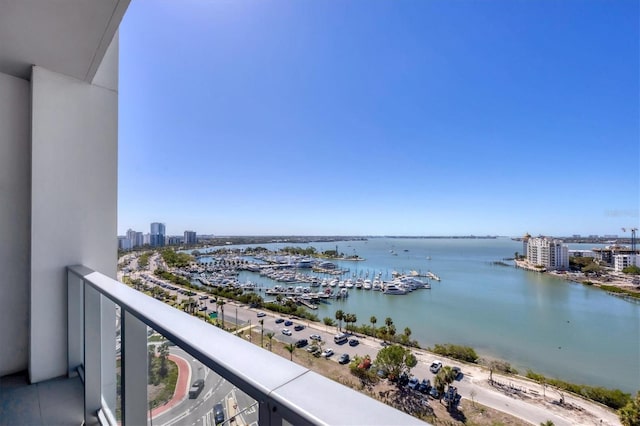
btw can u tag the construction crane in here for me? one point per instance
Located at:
(633, 237)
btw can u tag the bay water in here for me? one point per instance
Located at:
(534, 321)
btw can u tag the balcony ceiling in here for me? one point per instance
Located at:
(65, 36)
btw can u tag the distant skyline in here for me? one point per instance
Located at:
(371, 117)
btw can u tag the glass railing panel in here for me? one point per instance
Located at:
(191, 393)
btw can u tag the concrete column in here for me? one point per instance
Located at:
(74, 177)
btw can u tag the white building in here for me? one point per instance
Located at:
(621, 261)
(548, 252)
(582, 253)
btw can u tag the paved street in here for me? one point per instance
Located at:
(200, 411)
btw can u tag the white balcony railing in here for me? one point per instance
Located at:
(286, 393)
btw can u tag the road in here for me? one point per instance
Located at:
(199, 411)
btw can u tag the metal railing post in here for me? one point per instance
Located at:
(133, 370)
(75, 321)
(92, 355)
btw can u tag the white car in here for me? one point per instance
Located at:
(435, 366)
(286, 332)
(327, 353)
(315, 337)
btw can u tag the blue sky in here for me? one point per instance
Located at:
(370, 117)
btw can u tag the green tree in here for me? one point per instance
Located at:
(448, 374)
(388, 321)
(396, 360)
(373, 320)
(547, 423)
(261, 333)
(350, 319)
(151, 354)
(630, 413)
(592, 268)
(407, 332)
(391, 330)
(291, 348)
(632, 270)
(339, 317)
(328, 322)
(221, 303)
(270, 337)
(439, 383)
(163, 352)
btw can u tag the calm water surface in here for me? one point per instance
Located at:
(570, 331)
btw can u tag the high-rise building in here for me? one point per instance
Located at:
(190, 238)
(157, 234)
(548, 252)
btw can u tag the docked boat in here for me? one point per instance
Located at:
(393, 288)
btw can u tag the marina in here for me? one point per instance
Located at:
(534, 321)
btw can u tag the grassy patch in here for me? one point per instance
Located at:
(613, 398)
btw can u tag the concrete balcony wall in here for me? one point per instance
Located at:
(74, 178)
(15, 212)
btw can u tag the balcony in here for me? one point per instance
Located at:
(283, 392)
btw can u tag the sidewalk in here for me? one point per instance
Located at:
(182, 386)
(232, 411)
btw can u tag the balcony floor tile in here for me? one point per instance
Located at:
(54, 402)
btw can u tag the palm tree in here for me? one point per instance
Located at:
(445, 377)
(215, 302)
(261, 333)
(392, 332)
(340, 317)
(222, 303)
(290, 347)
(373, 320)
(270, 337)
(350, 319)
(449, 374)
(439, 383)
(388, 321)
(407, 332)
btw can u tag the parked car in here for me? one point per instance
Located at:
(413, 383)
(301, 343)
(458, 373)
(435, 366)
(286, 332)
(196, 388)
(316, 337)
(261, 314)
(313, 348)
(218, 413)
(327, 353)
(424, 386)
(298, 327)
(340, 338)
(288, 323)
(403, 380)
(279, 320)
(344, 359)
(354, 342)
(434, 393)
